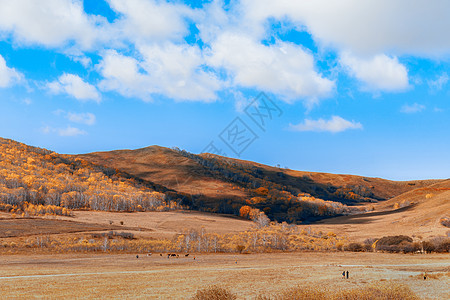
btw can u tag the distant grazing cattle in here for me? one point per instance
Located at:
(186, 255)
(160, 254)
(149, 254)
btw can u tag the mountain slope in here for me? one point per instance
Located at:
(415, 213)
(221, 184)
(42, 177)
(206, 174)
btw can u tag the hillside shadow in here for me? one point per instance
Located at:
(362, 218)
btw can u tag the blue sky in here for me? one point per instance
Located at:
(359, 87)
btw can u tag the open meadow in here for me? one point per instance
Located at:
(31, 266)
(123, 276)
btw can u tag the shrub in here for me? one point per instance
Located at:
(376, 291)
(355, 247)
(394, 240)
(396, 243)
(445, 221)
(240, 248)
(428, 246)
(439, 244)
(214, 293)
(126, 235)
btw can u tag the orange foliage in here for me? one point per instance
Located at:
(245, 211)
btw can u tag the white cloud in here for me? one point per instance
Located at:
(413, 108)
(71, 131)
(83, 60)
(52, 23)
(439, 83)
(363, 27)
(379, 72)
(74, 86)
(8, 76)
(68, 131)
(174, 71)
(121, 74)
(284, 68)
(82, 118)
(150, 20)
(240, 101)
(335, 124)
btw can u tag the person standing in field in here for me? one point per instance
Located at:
(343, 274)
(347, 274)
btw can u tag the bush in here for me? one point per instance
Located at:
(214, 293)
(126, 235)
(355, 247)
(445, 221)
(302, 293)
(439, 244)
(428, 246)
(376, 291)
(394, 240)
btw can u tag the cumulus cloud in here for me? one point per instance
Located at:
(334, 125)
(82, 118)
(413, 108)
(74, 86)
(71, 131)
(149, 20)
(284, 68)
(8, 76)
(51, 23)
(363, 27)
(174, 71)
(379, 72)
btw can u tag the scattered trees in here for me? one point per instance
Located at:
(38, 179)
(402, 243)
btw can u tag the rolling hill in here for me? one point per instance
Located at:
(415, 213)
(221, 184)
(218, 177)
(158, 178)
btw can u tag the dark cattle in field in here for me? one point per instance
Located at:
(160, 254)
(186, 255)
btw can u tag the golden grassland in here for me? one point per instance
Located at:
(246, 276)
(65, 257)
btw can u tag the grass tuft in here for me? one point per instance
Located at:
(214, 292)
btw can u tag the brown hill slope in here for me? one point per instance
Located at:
(414, 213)
(166, 167)
(216, 176)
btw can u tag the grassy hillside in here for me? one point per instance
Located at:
(39, 181)
(418, 213)
(220, 184)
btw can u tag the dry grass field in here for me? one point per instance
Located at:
(164, 224)
(157, 277)
(420, 216)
